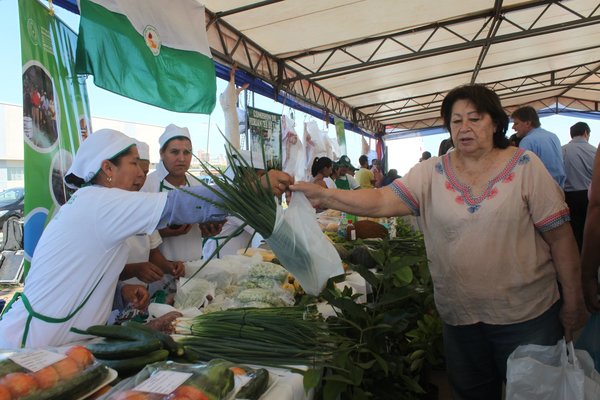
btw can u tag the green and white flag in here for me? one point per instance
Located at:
(153, 51)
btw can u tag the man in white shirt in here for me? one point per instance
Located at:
(578, 156)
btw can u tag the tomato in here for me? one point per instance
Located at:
(19, 384)
(190, 392)
(46, 377)
(81, 355)
(133, 395)
(67, 368)
(5, 393)
(238, 371)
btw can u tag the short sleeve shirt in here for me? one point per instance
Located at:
(488, 260)
(364, 177)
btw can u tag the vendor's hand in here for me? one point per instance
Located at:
(209, 229)
(175, 230)
(279, 181)
(177, 269)
(165, 322)
(148, 272)
(573, 317)
(313, 192)
(590, 291)
(136, 295)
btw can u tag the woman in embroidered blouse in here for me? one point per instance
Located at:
(498, 239)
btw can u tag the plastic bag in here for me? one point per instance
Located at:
(197, 293)
(301, 246)
(589, 340)
(217, 379)
(51, 373)
(551, 373)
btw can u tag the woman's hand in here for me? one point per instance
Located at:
(148, 272)
(573, 317)
(313, 192)
(209, 229)
(175, 230)
(278, 180)
(177, 269)
(136, 295)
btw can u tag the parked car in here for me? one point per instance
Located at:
(12, 202)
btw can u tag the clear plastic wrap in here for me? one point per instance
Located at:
(53, 373)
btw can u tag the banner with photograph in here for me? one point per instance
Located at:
(265, 127)
(56, 115)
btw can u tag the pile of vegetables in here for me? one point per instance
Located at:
(390, 343)
(218, 379)
(130, 347)
(72, 376)
(276, 337)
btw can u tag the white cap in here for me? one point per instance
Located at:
(173, 131)
(143, 149)
(99, 146)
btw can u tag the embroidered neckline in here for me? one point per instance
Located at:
(465, 190)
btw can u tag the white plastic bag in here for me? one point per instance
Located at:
(197, 292)
(301, 246)
(551, 373)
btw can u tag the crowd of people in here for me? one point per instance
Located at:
(506, 231)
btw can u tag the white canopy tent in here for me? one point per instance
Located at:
(385, 65)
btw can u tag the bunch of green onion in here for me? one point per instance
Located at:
(244, 196)
(276, 337)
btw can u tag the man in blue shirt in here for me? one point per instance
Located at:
(543, 143)
(579, 161)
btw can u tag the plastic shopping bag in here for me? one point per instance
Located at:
(589, 340)
(551, 373)
(301, 246)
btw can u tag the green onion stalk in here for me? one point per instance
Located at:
(278, 337)
(244, 196)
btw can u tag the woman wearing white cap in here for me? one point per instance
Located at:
(184, 242)
(77, 262)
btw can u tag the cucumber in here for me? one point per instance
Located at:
(118, 332)
(129, 366)
(119, 349)
(255, 387)
(73, 388)
(166, 339)
(8, 366)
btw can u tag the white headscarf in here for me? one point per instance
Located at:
(143, 149)
(99, 146)
(173, 131)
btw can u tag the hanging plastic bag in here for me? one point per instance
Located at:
(557, 372)
(301, 246)
(589, 340)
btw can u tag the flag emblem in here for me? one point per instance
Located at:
(152, 39)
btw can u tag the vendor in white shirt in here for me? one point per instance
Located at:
(144, 273)
(76, 264)
(183, 242)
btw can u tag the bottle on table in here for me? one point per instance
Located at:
(350, 231)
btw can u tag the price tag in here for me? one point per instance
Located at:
(37, 359)
(163, 382)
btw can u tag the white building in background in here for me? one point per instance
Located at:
(11, 146)
(11, 143)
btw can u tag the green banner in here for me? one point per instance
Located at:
(341, 135)
(55, 115)
(265, 127)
